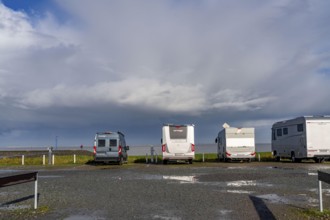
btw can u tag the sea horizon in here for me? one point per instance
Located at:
(135, 150)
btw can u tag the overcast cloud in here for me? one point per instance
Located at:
(133, 65)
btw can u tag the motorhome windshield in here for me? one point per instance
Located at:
(178, 132)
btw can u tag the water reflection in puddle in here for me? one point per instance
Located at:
(273, 198)
(240, 183)
(181, 179)
(240, 191)
(14, 207)
(292, 199)
(225, 212)
(165, 217)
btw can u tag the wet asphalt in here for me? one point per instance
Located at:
(266, 190)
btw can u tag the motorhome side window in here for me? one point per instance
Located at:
(113, 143)
(279, 132)
(285, 131)
(178, 132)
(300, 127)
(101, 143)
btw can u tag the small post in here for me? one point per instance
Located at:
(203, 158)
(152, 154)
(146, 158)
(74, 158)
(320, 196)
(50, 149)
(53, 159)
(36, 192)
(43, 159)
(22, 159)
(259, 157)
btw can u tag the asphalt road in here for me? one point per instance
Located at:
(266, 190)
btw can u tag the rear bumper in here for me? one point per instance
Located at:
(178, 157)
(100, 158)
(325, 156)
(240, 157)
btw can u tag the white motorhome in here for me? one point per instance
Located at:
(236, 143)
(306, 137)
(178, 142)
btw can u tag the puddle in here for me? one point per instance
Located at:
(325, 191)
(240, 183)
(240, 191)
(181, 179)
(225, 212)
(14, 207)
(274, 198)
(82, 217)
(300, 199)
(165, 217)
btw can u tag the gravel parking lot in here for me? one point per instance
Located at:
(265, 190)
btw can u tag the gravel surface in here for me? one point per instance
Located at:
(177, 191)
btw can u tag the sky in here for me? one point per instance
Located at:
(71, 68)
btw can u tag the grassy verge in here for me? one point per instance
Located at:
(65, 158)
(29, 213)
(38, 160)
(315, 214)
(209, 157)
(265, 156)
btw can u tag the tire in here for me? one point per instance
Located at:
(190, 161)
(164, 162)
(319, 160)
(121, 161)
(278, 159)
(293, 157)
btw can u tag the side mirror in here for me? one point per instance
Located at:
(216, 140)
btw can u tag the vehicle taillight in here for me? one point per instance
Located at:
(192, 147)
(94, 150)
(253, 154)
(228, 154)
(119, 150)
(164, 147)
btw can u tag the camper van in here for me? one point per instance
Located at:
(306, 137)
(110, 147)
(178, 143)
(235, 143)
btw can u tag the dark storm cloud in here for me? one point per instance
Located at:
(131, 66)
